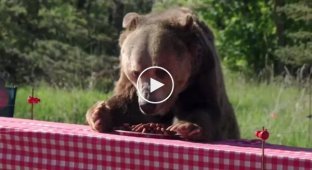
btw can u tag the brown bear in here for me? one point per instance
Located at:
(176, 40)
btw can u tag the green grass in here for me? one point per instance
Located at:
(282, 110)
(57, 104)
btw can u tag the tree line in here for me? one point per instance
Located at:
(75, 42)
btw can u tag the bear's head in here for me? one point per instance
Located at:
(167, 40)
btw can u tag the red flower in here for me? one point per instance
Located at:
(263, 134)
(33, 100)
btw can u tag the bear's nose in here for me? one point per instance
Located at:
(148, 108)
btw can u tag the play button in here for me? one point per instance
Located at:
(155, 85)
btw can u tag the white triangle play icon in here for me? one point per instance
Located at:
(155, 85)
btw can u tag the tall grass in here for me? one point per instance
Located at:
(57, 104)
(282, 110)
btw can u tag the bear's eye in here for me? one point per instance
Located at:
(160, 73)
(135, 74)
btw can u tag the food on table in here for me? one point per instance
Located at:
(153, 128)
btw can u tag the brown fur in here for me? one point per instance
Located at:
(175, 39)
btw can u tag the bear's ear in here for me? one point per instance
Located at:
(185, 21)
(130, 21)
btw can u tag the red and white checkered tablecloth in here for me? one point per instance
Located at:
(28, 144)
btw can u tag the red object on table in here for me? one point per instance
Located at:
(33, 100)
(30, 144)
(263, 134)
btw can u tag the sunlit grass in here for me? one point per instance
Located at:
(57, 104)
(282, 110)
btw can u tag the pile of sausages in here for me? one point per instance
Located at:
(154, 128)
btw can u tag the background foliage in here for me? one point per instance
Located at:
(77, 40)
(64, 43)
(296, 48)
(258, 38)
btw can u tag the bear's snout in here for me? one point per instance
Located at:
(145, 92)
(146, 107)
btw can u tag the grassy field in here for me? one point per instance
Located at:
(57, 104)
(282, 110)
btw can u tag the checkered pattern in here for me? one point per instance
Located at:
(27, 144)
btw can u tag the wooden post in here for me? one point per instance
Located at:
(262, 146)
(263, 135)
(310, 103)
(32, 105)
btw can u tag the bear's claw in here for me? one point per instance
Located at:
(187, 130)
